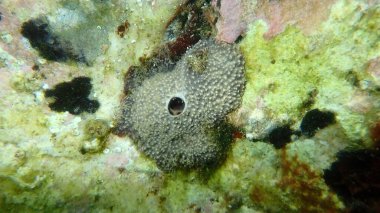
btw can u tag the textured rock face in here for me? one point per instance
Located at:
(174, 116)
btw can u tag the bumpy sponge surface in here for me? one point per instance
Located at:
(175, 116)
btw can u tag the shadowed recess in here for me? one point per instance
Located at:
(355, 177)
(280, 136)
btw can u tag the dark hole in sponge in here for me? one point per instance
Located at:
(73, 97)
(315, 120)
(176, 106)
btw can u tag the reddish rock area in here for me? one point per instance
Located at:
(235, 16)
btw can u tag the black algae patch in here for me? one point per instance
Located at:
(280, 136)
(49, 46)
(355, 177)
(315, 120)
(73, 97)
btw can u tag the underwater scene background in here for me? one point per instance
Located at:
(189, 106)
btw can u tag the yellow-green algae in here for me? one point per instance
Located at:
(290, 67)
(253, 174)
(95, 135)
(41, 166)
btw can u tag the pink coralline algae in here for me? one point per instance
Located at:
(235, 16)
(230, 24)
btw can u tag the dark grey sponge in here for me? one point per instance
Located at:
(175, 116)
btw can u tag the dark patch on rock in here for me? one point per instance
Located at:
(315, 120)
(239, 39)
(49, 45)
(73, 97)
(35, 67)
(352, 78)
(355, 177)
(75, 32)
(280, 136)
(122, 29)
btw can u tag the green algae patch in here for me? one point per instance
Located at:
(278, 68)
(294, 73)
(271, 180)
(25, 82)
(147, 24)
(24, 122)
(250, 171)
(247, 178)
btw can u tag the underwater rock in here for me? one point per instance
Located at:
(72, 33)
(177, 117)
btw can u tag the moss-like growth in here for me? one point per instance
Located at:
(96, 128)
(95, 135)
(26, 82)
(290, 67)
